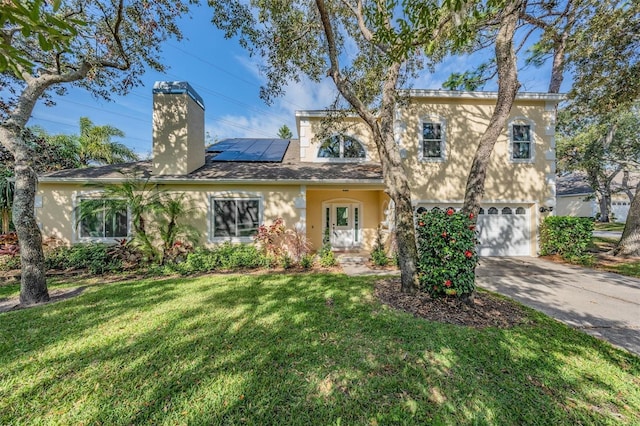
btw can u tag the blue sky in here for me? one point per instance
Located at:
(229, 81)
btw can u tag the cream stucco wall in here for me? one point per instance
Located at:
(313, 133)
(56, 215)
(178, 134)
(465, 118)
(575, 205)
(465, 121)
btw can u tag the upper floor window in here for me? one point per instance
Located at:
(340, 146)
(235, 217)
(521, 141)
(432, 141)
(102, 218)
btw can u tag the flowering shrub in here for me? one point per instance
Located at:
(271, 239)
(447, 255)
(284, 246)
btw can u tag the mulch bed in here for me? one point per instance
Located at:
(486, 311)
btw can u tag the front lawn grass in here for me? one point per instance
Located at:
(608, 226)
(600, 247)
(295, 349)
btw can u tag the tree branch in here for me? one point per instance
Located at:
(342, 84)
(115, 32)
(358, 12)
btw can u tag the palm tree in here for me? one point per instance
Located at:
(92, 147)
(95, 146)
(6, 198)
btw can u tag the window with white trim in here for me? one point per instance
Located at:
(341, 146)
(432, 141)
(521, 141)
(100, 219)
(235, 217)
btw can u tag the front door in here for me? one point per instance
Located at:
(343, 220)
(342, 226)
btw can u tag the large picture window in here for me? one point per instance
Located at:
(234, 218)
(341, 146)
(102, 219)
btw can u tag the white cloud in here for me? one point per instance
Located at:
(302, 95)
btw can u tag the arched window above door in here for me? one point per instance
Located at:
(342, 147)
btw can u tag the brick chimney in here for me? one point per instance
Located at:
(178, 129)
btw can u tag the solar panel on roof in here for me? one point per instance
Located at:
(250, 150)
(276, 150)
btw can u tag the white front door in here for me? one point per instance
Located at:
(342, 226)
(343, 220)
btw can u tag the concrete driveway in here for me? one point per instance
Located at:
(603, 304)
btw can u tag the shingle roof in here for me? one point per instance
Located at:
(575, 183)
(291, 169)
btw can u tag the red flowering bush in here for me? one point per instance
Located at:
(282, 245)
(447, 255)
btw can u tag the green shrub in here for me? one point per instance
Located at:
(447, 255)
(8, 263)
(94, 257)
(307, 261)
(286, 261)
(379, 254)
(568, 237)
(227, 256)
(379, 257)
(326, 254)
(328, 259)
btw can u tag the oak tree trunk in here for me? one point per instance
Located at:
(398, 189)
(629, 244)
(508, 86)
(381, 126)
(605, 206)
(33, 284)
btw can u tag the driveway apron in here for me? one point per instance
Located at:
(603, 304)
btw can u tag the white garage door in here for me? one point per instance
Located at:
(504, 231)
(620, 210)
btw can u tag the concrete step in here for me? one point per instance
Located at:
(352, 259)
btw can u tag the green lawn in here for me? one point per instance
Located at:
(295, 349)
(608, 226)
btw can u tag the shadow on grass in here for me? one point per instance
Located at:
(294, 349)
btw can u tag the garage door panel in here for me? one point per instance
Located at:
(504, 232)
(504, 235)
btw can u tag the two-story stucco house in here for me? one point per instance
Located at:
(331, 181)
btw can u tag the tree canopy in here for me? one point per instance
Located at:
(107, 46)
(37, 19)
(602, 146)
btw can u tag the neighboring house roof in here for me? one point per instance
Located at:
(290, 170)
(575, 183)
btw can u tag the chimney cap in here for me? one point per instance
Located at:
(177, 87)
